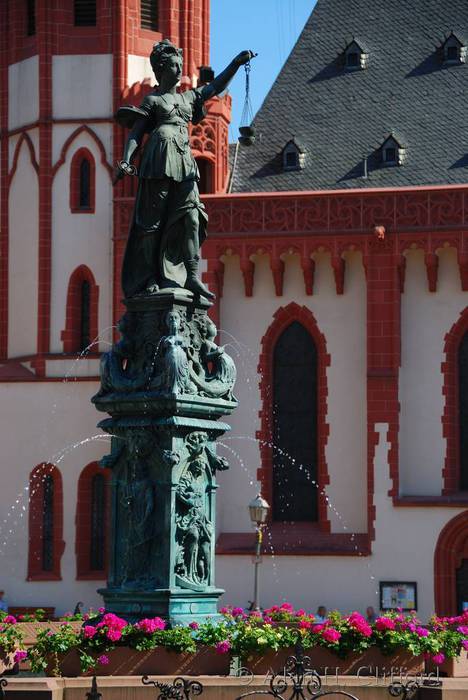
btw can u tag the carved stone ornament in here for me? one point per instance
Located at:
(168, 354)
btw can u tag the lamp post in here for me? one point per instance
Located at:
(258, 509)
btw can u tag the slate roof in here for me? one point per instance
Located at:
(341, 116)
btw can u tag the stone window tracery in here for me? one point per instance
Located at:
(45, 523)
(92, 516)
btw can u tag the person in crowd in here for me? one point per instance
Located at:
(321, 615)
(370, 614)
(3, 603)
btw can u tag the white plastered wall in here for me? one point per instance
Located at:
(341, 318)
(57, 420)
(74, 95)
(23, 92)
(426, 317)
(81, 239)
(23, 257)
(138, 69)
(403, 549)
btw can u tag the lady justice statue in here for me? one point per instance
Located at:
(169, 221)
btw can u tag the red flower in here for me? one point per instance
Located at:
(384, 623)
(331, 634)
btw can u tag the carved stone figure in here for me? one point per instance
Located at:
(169, 221)
(213, 371)
(194, 528)
(172, 367)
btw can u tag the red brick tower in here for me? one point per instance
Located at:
(65, 67)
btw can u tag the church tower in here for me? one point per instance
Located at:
(65, 68)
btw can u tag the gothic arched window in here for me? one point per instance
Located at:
(82, 311)
(45, 523)
(295, 426)
(205, 168)
(92, 522)
(463, 410)
(82, 182)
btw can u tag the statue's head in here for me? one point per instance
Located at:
(166, 60)
(210, 328)
(173, 322)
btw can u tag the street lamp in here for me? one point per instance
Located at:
(258, 510)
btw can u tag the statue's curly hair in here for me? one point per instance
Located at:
(161, 52)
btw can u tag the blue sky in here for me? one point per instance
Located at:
(269, 27)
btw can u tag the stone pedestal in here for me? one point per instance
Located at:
(165, 385)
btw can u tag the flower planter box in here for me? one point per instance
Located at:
(451, 668)
(124, 661)
(324, 661)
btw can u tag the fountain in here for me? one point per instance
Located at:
(166, 383)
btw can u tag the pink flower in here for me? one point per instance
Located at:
(317, 628)
(268, 620)
(300, 612)
(255, 613)
(194, 625)
(438, 658)
(103, 660)
(305, 624)
(287, 607)
(237, 611)
(101, 611)
(150, 625)
(89, 631)
(50, 633)
(384, 623)
(360, 624)
(10, 620)
(114, 635)
(465, 644)
(422, 632)
(331, 634)
(20, 655)
(223, 647)
(225, 611)
(462, 630)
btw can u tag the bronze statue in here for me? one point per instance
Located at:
(169, 221)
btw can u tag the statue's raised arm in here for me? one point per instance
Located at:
(222, 80)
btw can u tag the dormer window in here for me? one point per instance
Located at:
(453, 51)
(354, 56)
(392, 152)
(293, 155)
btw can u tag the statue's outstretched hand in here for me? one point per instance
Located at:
(244, 57)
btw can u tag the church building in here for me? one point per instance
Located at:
(338, 252)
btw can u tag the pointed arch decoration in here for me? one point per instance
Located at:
(450, 553)
(83, 129)
(452, 472)
(92, 523)
(282, 319)
(82, 311)
(24, 138)
(46, 544)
